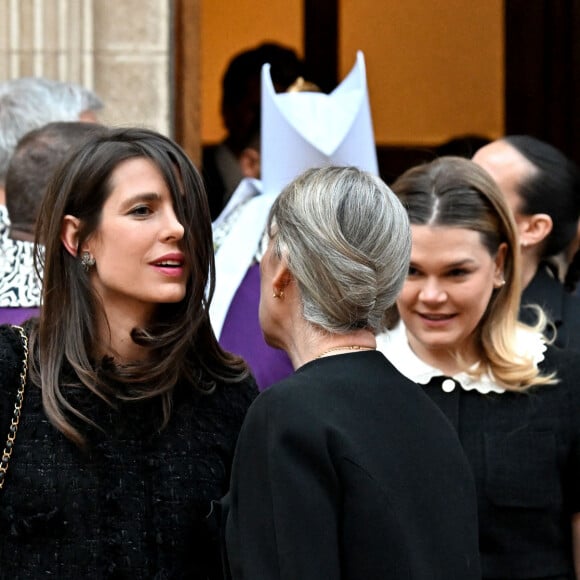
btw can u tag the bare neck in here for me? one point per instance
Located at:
(310, 343)
(114, 331)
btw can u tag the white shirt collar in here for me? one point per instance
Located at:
(395, 346)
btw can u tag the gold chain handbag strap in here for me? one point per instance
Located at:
(9, 446)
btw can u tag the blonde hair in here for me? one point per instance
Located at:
(455, 192)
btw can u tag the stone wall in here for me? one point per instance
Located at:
(119, 48)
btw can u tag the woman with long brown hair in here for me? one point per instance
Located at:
(131, 410)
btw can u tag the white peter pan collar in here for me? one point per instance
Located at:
(395, 346)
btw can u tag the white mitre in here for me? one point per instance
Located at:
(299, 130)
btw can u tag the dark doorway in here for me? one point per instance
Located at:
(542, 64)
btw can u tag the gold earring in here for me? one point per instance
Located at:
(279, 294)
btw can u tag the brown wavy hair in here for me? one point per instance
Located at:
(180, 340)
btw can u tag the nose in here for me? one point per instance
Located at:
(172, 228)
(432, 292)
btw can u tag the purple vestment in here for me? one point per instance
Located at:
(17, 315)
(242, 335)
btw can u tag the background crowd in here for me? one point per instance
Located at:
(415, 345)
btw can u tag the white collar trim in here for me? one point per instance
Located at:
(395, 346)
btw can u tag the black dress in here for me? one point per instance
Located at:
(524, 449)
(346, 470)
(134, 504)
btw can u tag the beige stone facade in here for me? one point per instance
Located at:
(122, 49)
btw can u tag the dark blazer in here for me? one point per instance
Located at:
(133, 504)
(346, 470)
(524, 449)
(561, 307)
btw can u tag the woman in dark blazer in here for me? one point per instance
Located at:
(345, 469)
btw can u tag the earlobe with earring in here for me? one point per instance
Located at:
(87, 261)
(278, 294)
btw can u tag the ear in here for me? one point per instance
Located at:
(535, 228)
(69, 234)
(250, 162)
(282, 278)
(499, 274)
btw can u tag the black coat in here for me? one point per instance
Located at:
(133, 504)
(562, 308)
(524, 449)
(346, 470)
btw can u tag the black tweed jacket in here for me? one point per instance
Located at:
(134, 503)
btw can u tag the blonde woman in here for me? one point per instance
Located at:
(513, 400)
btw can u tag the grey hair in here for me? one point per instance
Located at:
(28, 103)
(347, 241)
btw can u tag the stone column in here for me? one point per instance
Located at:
(119, 48)
(132, 61)
(51, 38)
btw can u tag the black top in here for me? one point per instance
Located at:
(524, 449)
(561, 307)
(133, 505)
(346, 470)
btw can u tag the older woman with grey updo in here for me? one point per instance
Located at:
(348, 256)
(329, 478)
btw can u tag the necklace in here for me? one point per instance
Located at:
(346, 348)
